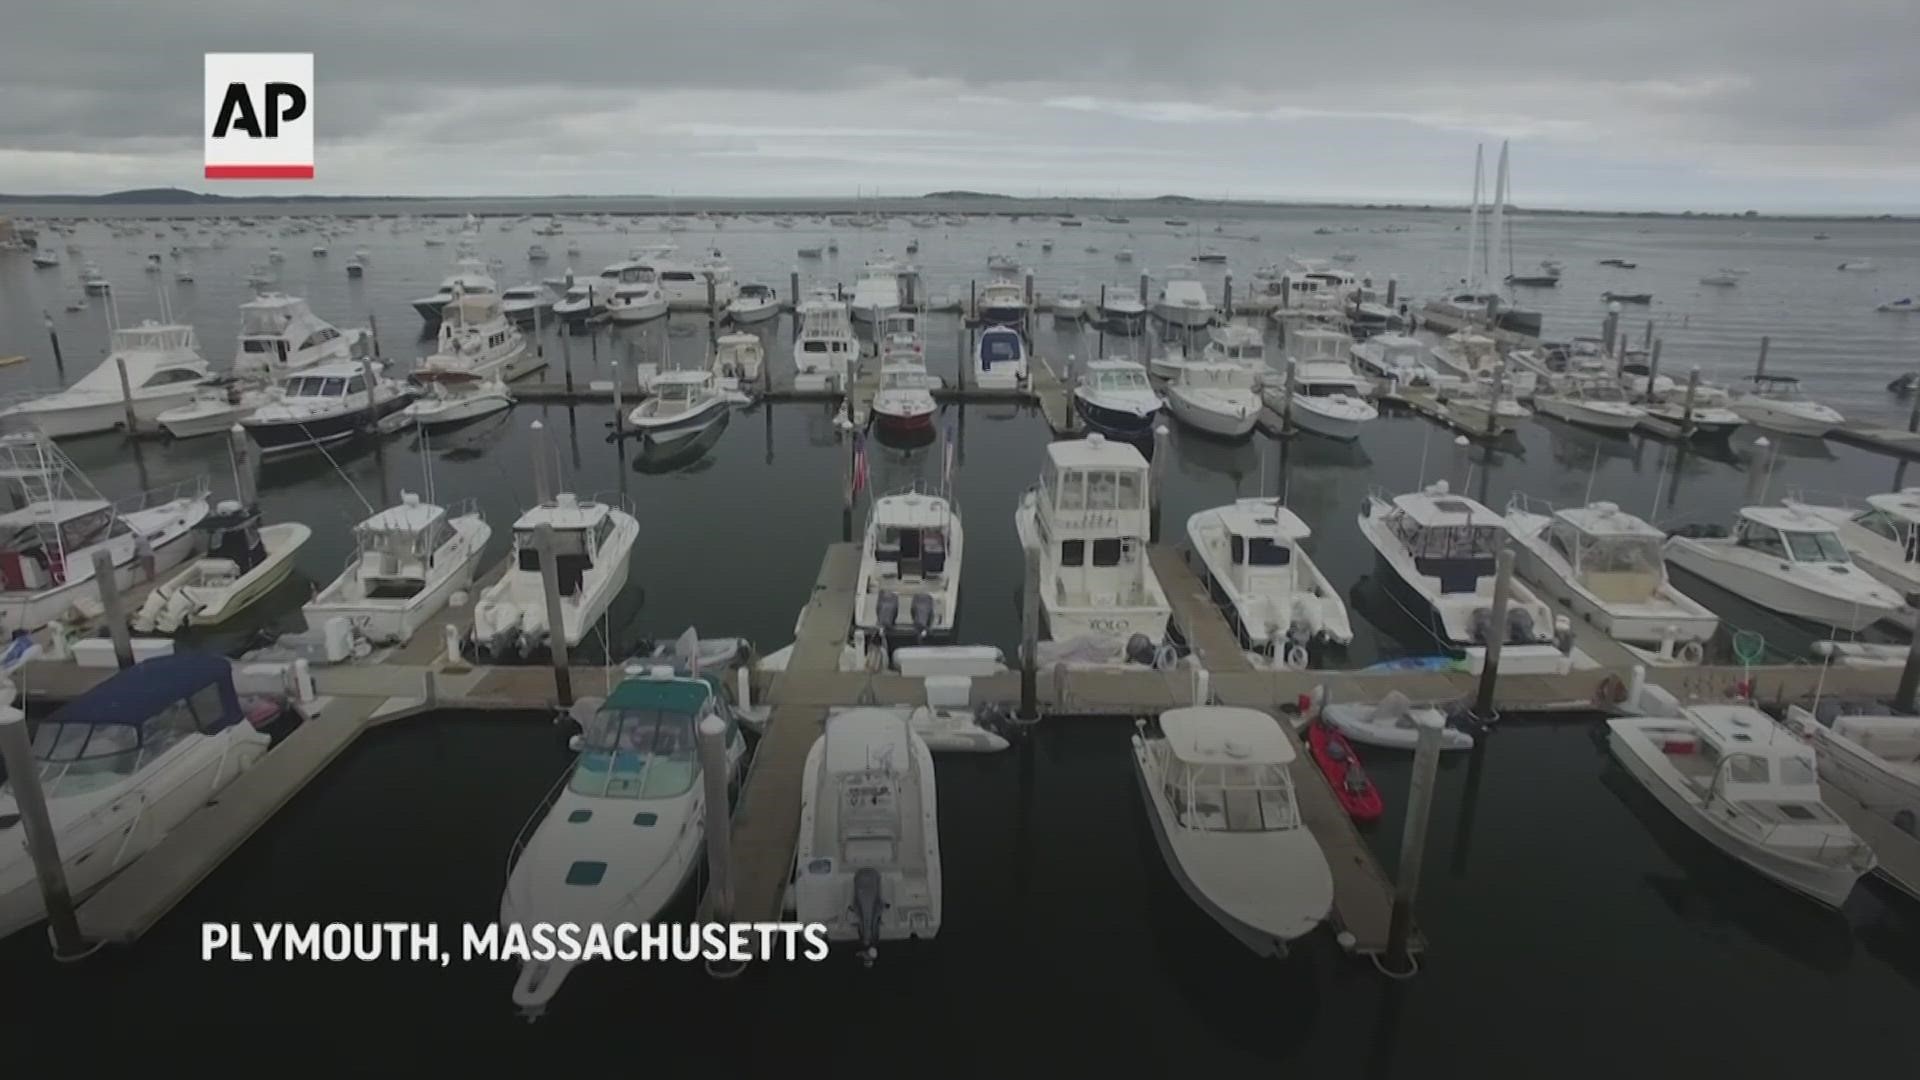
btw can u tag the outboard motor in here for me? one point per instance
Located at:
(1140, 650)
(1520, 630)
(1482, 624)
(867, 906)
(886, 609)
(922, 614)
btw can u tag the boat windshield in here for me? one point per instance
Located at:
(1620, 555)
(1122, 381)
(906, 380)
(1602, 392)
(76, 758)
(1260, 551)
(1816, 547)
(637, 754)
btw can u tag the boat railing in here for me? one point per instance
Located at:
(192, 488)
(1521, 502)
(617, 500)
(532, 825)
(1832, 500)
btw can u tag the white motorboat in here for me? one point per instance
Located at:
(1789, 560)
(45, 258)
(1438, 550)
(1167, 363)
(1606, 564)
(279, 335)
(455, 397)
(1395, 358)
(470, 278)
(1238, 343)
(1069, 305)
(909, 583)
(1002, 263)
(592, 546)
(408, 561)
(526, 302)
(537, 253)
(583, 299)
(682, 403)
(1777, 403)
(739, 361)
(1474, 409)
(1328, 398)
(826, 348)
(1750, 788)
(93, 281)
(1392, 723)
(754, 303)
(1870, 755)
(121, 767)
(1859, 266)
(325, 404)
(1721, 278)
(1121, 308)
(1183, 300)
(1882, 534)
(164, 370)
(1115, 397)
(999, 359)
(867, 861)
(633, 302)
(244, 560)
(1593, 403)
(1216, 397)
(876, 292)
(1671, 417)
(1218, 790)
(1088, 518)
(1254, 554)
(1002, 302)
(903, 404)
(59, 522)
(1466, 356)
(693, 288)
(477, 338)
(624, 831)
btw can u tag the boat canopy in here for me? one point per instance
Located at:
(119, 727)
(1786, 533)
(641, 744)
(155, 337)
(1224, 770)
(1000, 344)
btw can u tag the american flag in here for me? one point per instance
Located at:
(946, 459)
(859, 462)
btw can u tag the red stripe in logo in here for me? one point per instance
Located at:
(259, 172)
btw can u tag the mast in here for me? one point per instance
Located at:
(1473, 223)
(1496, 235)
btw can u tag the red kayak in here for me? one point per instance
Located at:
(1341, 766)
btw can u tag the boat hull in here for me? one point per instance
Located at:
(1787, 598)
(1213, 421)
(280, 437)
(1122, 422)
(1343, 426)
(97, 417)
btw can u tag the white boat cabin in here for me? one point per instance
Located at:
(38, 539)
(1260, 541)
(1451, 539)
(1225, 770)
(1317, 345)
(580, 534)
(1894, 518)
(1092, 519)
(1740, 755)
(1236, 343)
(911, 535)
(398, 545)
(1614, 555)
(278, 333)
(1789, 535)
(157, 355)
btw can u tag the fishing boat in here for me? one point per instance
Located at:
(825, 351)
(45, 258)
(867, 860)
(1789, 560)
(244, 560)
(1906, 305)
(1334, 756)
(709, 282)
(1254, 555)
(683, 403)
(1597, 403)
(1474, 409)
(326, 404)
(1183, 300)
(525, 303)
(163, 370)
(455, 397)
(1219, 796)
(1069, 305)
(1121, 309)
(1748, 787)
(909, 583)
(93, 281)
(876, 292)
(1115, 397)
(1777, 403)
(1859, 266)
(1395, 358)
(754, 303)
(592, 546)
(1002, 302)
(999, 359)
(624, 831)
(408, 560)
(1607, 566)
(1327, 397)
(122, 766)
(477, 338)
(279, 335)
(582, 300)
(903, 404)
(1392, 723)
(739, 361)
(1238, 343)
(1216, 397)
(1881, 533)
(1721, 278)
(1868, 758)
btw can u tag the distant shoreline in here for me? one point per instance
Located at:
(162, 202)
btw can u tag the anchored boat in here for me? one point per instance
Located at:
(244, 561)
(408, 560)
(592, 544)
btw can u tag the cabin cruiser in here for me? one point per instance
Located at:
(592, 546)
(408, 561)
(1395, 358)
(1474, 409)
(754, 303)
(739, 361)
(1183, 300)
(1882, 535)
(526, 302)
(1217, 397)
(682, 403)
(1121, 309)
(1439, 550)
(470, 278)
(244, 561)
(59, 521)
(1218, 789)
(631, 302)
(325, 404)
(1002, 302)
(122, 766)
(1592, 403)
(1477, 305)
(1467, 356)
(693, 288)
(1114, 396)
(582, 300)
(1777, 403)
(455, 397)
(876, 292)
(45, 258)
(909, 584)
(476, 338)
(1087, 518)
(1069, 305)
(1867, 755)
(1327, 397)
(1281, 603)
(537, 253)
(1792, 561)
(164, 370)
(825, 349)
(1001, 263)
(867, 860)
(903, 403)
(999, 359)
(1237, 343)
(1606, 564)
(1748, 787)
(624, 831)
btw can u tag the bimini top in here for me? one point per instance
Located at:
(411, 516)
(1262, 517)
(1607, 519)
(1223, 735)
(680, 695)
(146, 689)
(913, 510)
(869, 740)
(1903, 504)
(1786, 519)
(1435, 508)
(564, 512)
(1095, 451)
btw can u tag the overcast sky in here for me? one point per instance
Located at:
(1678, 104)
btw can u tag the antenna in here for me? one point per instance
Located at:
(1593, 471)
(1424, 431)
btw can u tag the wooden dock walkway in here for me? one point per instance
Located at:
(766, 822)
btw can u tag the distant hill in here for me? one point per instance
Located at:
(172, 196)
(1173, 199)
(965, 195)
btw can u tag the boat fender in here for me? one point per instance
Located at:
(1165, 658)
(1520, 628)
(1297, 657)
(1611, 691)
(1140, 650)
(1691, 652)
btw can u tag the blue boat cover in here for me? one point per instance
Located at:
(144, 690)
(1000, 344)
(668, 695)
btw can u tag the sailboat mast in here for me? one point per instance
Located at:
(1496, 236)
(1473, 222)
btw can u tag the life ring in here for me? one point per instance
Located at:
(1611, 691)
(1296, 657)
(1691, 652)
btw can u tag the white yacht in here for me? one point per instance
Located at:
(48, 541)
(909, 583)
(624, 830)
(1466, 356)
(825, 348)
(1597, 403)
(999, 359)
(44, 258)
(583, 299)
(1002, 302)
(1869, 755)
(244, 560)
(1088, 518)
(739, 361)
(164, 370)
(1217, 784)
(1121, 309)
(1606, 564)
(754, 303)
(1396, 359)
(876, 292)
(632, 302)
(1882, 534)
(1750, 788)
(681, 403)
(470, 277)
(327, 403)
(1253, 551)
(1183, 300)
(1439, 550)
(408, 561)
(1777, 403)
(592, 546)
(477, 338)
(455, 397)
(1238, 343)
(1217, 397)
(1069, 305)
(1115, 397)
(867, 860)
(691, 288)
(1329, 398)
(1789, 560)
(123, 765)
(526, 302)
(93, 281)
(903, 404)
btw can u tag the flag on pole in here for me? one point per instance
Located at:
(946, 459)
(859, 462)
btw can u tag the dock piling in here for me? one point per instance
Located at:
(1913, 415)
(116, 611)
(1686, 409)
(793, 290)
(1156, 474)
(1393, 290)
(373, 333)
(1030, 638)
(1226, 296)
(556, 618)
(1760, 365)
(1286, 397)
(1493, 403)
(1610, 330)
(1757, 465)
(566, 357)
(59, 358)
(1903, 698)
(242, 466)
(1647, 341)
(42, 843)
(1413, 841)
(1653, 364)
(1143, 287)
(126, 395)
(1490, 670)
(719, 825)
(542, 486)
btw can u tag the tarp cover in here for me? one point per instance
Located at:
(145, 689)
